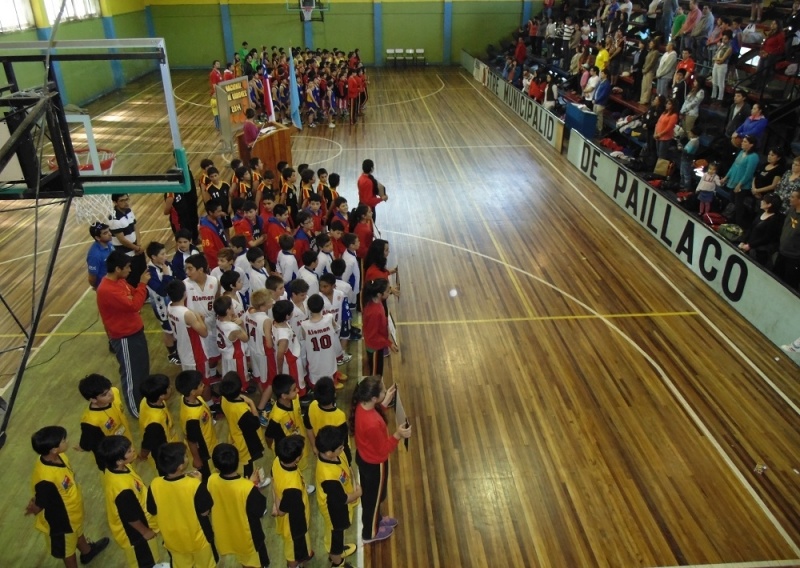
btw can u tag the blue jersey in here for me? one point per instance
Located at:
(96, 260)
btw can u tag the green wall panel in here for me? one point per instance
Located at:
(133, 25)
(269, 24)
(193, 34)
(347, 26)
(28, 74)
(85, 80)
(476, 24)
(414, 25)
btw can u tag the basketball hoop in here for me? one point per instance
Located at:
(91, 208)
(307, 11)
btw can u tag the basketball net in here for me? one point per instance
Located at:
(307, 11)
(89, 209)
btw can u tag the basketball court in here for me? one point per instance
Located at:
(578, 397)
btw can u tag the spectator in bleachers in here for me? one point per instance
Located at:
(737, 113)
(521, 52)
(760, 240)
(591, 86)
(550, 92)
(574, 41)
(566, 32)
(772, 50)
(685, 33)
(639, 58)
(679, 89)
(714, 39)
(626, 7)
(600, 17)
(722, 54)
(738, 181)
(649, 72)
(616, 54)
(666, 70)
(754, 125)
(700, 33)
(665, 130)
(601, 97)
(690, 109)
(527, 78)
(769, 175)
(677, 23)
(575, 62)
(650, 119)
(787, 265)
(790, 181)
(755, 10)
(602, 57)
(687, 63)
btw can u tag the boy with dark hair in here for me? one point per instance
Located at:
(277, 225)
(323, 186)
(352, 273)
(288, 354)
(307, 271)
(239, 247)
(243, 424)
(181, 504)
(257, 274)
(335, 232)
(104, 416)
(251, 226)
(331, 192)
(325, 256)
(184, 248)
(262, 353)
(155, 420)
(306, 186)
(122, 223)
(57, 501)
(98, 253)
(320, 337)
(220, 191)
(201, 291)
(231, 339)
(286, 263)
(324, 412)
(338, 493)
(231, 283)
(316, 212)
(126, 503)
(189, 328)
(288, 194)
(160, 276)
(237, 511)
(336, 304)
(196, 420)
(290, 506)
(286, 417)
(213, 232)
(304, 236)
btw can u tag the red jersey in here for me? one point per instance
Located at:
(302, 243)
(214, 239)
(365, 236)
(375, 273)
(274, 230)
(214, 77)
(371, 436)
(366, 191)
(375, 326)
(338, 247)
(227, 75)
(352, 87)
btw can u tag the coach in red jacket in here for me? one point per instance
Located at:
(119, 303)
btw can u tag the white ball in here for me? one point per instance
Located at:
(453, 293)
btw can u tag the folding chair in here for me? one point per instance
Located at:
(419, 57)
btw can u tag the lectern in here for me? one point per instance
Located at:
(273, 145)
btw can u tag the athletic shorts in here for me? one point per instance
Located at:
(63, 545)
(144, 553)
(164, 323)
(203, 558)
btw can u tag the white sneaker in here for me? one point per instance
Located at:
(310, 489)
(331, 125)
(789, 348)
(346, 358)
(265, 483)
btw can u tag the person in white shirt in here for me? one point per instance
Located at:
(320, 336)
(352, 274)
(189, 328)
(286, 263)
(308, 273)
(257, 274)
(591, 84)
(201, 291)
(666, 70)
(325, 256)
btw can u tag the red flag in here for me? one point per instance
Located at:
(268, 108)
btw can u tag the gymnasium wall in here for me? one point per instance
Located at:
(195, 31)
(83, 82)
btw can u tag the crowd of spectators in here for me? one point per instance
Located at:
(680, 65)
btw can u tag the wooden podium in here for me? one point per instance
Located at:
(271, 147)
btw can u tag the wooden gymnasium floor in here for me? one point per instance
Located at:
(580, 400)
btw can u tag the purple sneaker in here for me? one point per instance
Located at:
(382, 534)
(388, 522)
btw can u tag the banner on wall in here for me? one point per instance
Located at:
(544, 122)
(729, 273)
(232, 100)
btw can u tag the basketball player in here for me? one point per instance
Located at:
(201, 291)
(320, 336)
(230, 335)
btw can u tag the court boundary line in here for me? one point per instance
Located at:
(750, 564)
(660, 372)
(341, 148)
(439, 90)
(546, 318)
(735, 348)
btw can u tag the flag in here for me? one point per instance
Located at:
(269, 109)
(294, 94)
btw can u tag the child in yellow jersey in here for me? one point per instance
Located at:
(104, 417)
(196, 420)
(182, 503)
(286, 418)
(155, 421)
(291, 500)
(131, 525)
(57, 501)
(338, 494)
(243, 424)
(323, 412)
(237, 510)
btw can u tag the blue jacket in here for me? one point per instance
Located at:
(603, 93)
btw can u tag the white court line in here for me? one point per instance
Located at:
(665, 380)
(341, 149)
(789, 402)
(754, 564)
(46, 339)
(82, 243)
(439, 90)
(663, 375)
(411, 149)
(174, 94)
